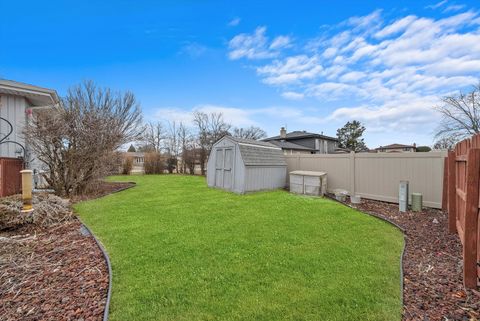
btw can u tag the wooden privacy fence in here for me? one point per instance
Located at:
(462, 201)
(10, 177)
(377, 175)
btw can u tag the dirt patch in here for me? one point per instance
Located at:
(432, 265)
(55, 273)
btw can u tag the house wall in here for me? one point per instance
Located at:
(377, 176)
(397, 150)
(259, 178)
(12, 108)
(324, 146)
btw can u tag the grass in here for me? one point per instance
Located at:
(182, 251)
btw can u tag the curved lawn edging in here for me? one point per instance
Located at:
(109, 268)
(105, 254)
(393, 224)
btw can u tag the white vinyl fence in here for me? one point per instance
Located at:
(377, 175)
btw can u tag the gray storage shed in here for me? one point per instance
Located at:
(245, 165)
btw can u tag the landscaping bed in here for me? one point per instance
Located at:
(51, 268)
(432, 265)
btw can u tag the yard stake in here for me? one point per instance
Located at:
(26, 190)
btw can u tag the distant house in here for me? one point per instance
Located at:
(397, 148)
(302, 142)
(138, 161)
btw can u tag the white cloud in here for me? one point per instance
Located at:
(388, 73)
(436, 5)
(256, 45)
(280, 42)
(291, 95)
(234, 22)
(290, 70)
(454, 7)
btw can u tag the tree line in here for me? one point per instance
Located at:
(78, 141)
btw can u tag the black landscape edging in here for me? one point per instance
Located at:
(393, 224)
(109, 267)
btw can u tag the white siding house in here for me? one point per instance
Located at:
(18, 101)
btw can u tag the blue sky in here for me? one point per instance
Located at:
(307, 65)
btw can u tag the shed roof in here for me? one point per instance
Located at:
(256, 153)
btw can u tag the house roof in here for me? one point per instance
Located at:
(301, 134)
(38, 96)
(289, 145)
(257, 153)
(393, 146)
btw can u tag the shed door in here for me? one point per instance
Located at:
(223, 167)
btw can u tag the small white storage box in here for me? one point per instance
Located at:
(309, 183)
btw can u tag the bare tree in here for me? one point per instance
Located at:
(76, 140)
(173, 146)
(251, 132)
(185, 141)
(460, 115)
(154, 137)
(445, 143)
(210, 127)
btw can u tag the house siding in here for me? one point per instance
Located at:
(12, 108)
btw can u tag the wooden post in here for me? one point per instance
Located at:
(471, 219)
(445, 185)
(452, 193)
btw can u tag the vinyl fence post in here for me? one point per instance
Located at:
(352, 173)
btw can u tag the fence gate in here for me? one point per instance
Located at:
(10, 177)
(464, 203)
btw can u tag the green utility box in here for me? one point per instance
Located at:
(417, 200)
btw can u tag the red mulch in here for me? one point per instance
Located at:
(56, 273)
(432, 265)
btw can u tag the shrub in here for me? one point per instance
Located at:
(153, 163)
(127, 165)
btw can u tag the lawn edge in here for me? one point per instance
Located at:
(109, 268)
(401, 229)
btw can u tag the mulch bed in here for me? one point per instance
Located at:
(432, 265)
(55, 273)
(52, 269)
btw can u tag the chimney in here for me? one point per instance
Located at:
(283, 133)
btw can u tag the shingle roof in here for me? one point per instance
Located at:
(301, 134)
(289, 145)
(256, 153)
(395, 146)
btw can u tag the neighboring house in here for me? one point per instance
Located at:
(19, 102)
(302, 142)
(138, 159)
(397, 148)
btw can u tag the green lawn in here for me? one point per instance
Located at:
(182, 251)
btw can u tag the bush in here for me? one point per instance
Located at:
(153, 163)
(127, 165)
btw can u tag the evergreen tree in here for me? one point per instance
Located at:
(350, 136)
